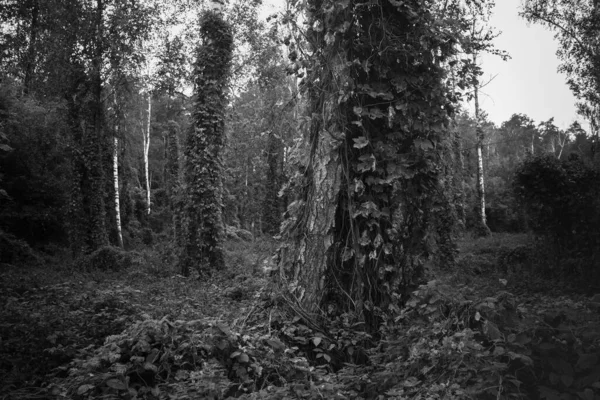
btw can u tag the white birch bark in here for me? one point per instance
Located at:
(117, 197)
(146, 134)
(484, 230)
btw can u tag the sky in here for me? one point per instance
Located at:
(529, 83)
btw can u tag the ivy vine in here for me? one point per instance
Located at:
(204, 230)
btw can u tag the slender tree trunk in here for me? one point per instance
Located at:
(482, 228)
(95, 143)
(31, 51)
(117, 198)
(147, 151)
(561, 144)
(460, 206)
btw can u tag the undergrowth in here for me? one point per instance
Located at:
(474, 332)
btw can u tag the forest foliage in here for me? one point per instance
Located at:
(199, 202)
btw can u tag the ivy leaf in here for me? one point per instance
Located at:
(116, 384)
(547, 393)
(587, 394)
(587, 361)
(425, 144)
(347, 254)
(84, 389)
(343, 4)
(360, 142)
(343, 28)
(567, 380)
(375, 113)
(364, 239)
(276, 344)
(367, 163)
(491, 330)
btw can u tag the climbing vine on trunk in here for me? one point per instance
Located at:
(359, 231)
(172, 180)
(203, 242)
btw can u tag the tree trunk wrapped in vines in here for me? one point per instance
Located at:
(172, 180)
(357, 234)
(203, 242)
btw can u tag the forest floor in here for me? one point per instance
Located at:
(480, 331)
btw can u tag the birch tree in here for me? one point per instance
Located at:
(481, 37)
(116, 185)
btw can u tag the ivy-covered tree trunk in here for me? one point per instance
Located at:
(88, 189)
(272, 202)
(95, 145)
(172, 180)
(356, 235)
(205, 233)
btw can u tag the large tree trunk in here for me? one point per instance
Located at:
(355, 235)
(304, 259)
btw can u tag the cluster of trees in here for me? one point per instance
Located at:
(336, 125)
(505, 148)
(96, 102)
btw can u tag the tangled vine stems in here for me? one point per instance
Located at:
(204, 230)
(380, 110)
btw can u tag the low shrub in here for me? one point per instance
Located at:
(562, 202)
(108, 258)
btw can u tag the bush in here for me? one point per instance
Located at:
(108, 258)
(562, 204)
(15, 251)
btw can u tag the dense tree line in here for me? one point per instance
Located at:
(133, 124)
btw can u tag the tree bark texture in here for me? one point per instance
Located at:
(355, 235)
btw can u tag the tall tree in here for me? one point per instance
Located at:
(172, 176)
(203, 241)
(379, 106)
(481, 41)
(576, 24)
